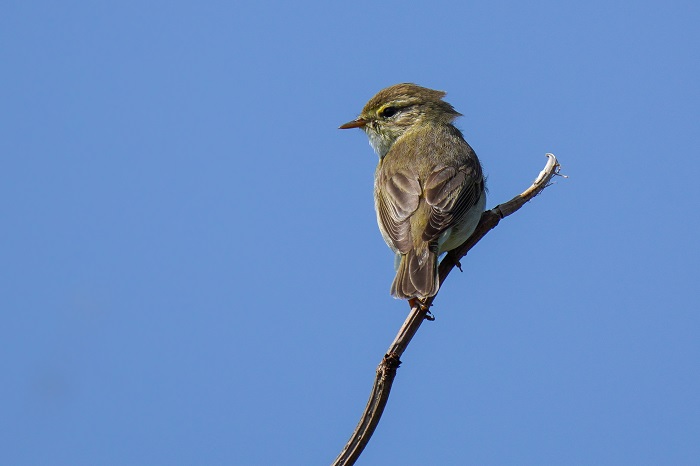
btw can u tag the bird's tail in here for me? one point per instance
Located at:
(417, 275)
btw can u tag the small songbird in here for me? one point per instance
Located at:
(428, 187)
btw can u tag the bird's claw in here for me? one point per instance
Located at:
(421, 305)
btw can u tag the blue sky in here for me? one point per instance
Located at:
(192, 272)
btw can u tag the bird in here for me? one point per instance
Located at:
(429, 187)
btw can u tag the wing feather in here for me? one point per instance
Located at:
(451, 192)
(397, 197)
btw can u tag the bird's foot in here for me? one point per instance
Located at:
(420, 304)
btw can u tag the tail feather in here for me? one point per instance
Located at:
(417, 276)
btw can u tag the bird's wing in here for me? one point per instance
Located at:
(451, 192)
(397, 196)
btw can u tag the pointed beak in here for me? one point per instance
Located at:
(359, 123)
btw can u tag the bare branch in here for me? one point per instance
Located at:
(386, 371)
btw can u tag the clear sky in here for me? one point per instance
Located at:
(192, 271)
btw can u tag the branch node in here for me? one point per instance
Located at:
(392, 361)
(499, 212)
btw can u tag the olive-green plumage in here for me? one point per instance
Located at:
(429, 187)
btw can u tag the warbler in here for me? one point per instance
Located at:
(429, 188)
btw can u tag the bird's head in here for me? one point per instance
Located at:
(397, 109)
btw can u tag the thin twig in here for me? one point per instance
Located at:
(386, 371)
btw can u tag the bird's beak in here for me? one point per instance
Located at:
(359, 123)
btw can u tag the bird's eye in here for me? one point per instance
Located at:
(387, 112)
